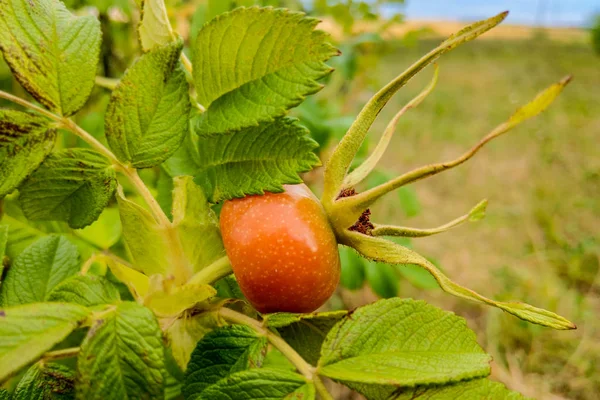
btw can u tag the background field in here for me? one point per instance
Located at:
(539, 242)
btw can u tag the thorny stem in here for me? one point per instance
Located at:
(301, 365)
(212, 273)
(60, 354)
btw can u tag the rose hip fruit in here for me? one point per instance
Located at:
(282, 250)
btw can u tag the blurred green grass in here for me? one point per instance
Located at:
(539, 242)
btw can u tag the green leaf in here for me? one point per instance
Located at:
(383, 279)
(144, 237)
(27, 331)
(105, 232)
(137, 283)
(261, 384)
(4, 394)
(154, 28)
(474, 389)
(220, 353)
(20, 236)
(173, 303)
(254, 160)
(147, 116)
(402, 343)
(25, 141)
(353, 269)
(253, 64)
(51, 52)
(122, 356)
(195, 219)
(72, 185)
(87, 290)
(187, 331)
(305, 332)
(228, 288)
(36, 271)
(186, 160)
(46, 382)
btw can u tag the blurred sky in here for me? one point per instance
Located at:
(528, 12)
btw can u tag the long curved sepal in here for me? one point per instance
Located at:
(382, 250)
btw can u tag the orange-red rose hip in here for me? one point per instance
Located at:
(282, 250)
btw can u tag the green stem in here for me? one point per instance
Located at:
(301, 365)
(107, 83)
(29, 105)
(321, 389)
(212, 273)
(60, 354)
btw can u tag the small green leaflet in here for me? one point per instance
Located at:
(46, 382)
(35, 272)
(254, 160)
(87, 290)
(122, 356)
(178, 300)
(474, 389)
(253, 64)
(154, 28)
(4, 394)
(72, 185)
(28, 331)
(147, 116)
(402, 343)
(305, 332)
(187, 331)
(260, 384)
(194, 219)
(25, 141)
(144, 237)
(52, 53)
(220, 353)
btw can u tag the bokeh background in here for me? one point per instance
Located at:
(540, 241)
